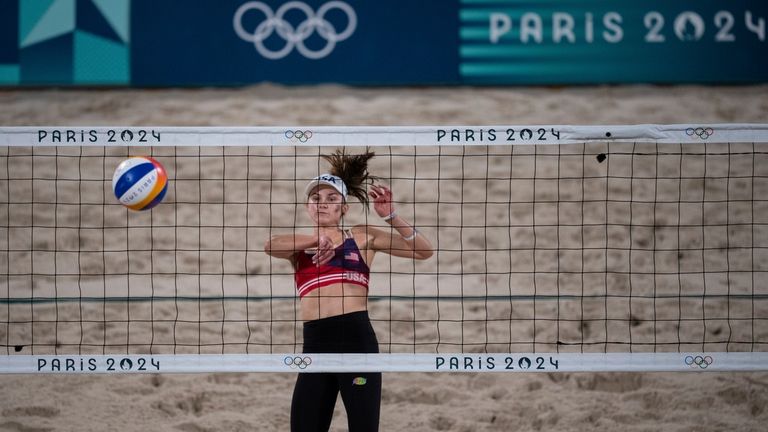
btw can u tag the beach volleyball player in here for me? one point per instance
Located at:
(331, 267)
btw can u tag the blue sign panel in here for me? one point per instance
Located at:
(395, 42)
(59, 42)
(599, 41)
(239, 42)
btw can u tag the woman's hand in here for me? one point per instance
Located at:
(382, 200)
(325, 251)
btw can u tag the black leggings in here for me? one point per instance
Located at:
(314, 396)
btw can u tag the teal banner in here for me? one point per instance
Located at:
(599, 41)
(161, 43)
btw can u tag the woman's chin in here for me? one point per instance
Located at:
(326, 221)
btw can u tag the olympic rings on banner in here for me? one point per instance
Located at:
(301, 136)
(700, 132)
(297, 362)
(295, 37)
(698, 361)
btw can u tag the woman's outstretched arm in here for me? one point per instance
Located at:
(405, 240)
(286, 245)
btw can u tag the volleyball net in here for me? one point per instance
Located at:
(557, 248)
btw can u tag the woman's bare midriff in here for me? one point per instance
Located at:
(333, 300)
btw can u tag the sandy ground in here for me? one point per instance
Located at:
(459, 402)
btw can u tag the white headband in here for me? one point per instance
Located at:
(328, 179)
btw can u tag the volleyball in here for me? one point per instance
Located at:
(140, 183)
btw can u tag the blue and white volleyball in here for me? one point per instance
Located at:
(140, 183)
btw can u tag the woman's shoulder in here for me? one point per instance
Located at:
(364, 233)
(365, 230)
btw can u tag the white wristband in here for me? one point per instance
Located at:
(412, 236)
(390, 216)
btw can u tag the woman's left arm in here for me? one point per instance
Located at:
(406, 241)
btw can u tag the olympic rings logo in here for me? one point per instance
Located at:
(295, 37)
(698, 361)
(700, 132)
(301, 136)
(297, 362)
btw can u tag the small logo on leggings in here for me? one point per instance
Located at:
(359, 381)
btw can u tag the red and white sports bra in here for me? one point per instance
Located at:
(347, 266)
